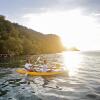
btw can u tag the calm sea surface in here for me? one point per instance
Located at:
(80, 82)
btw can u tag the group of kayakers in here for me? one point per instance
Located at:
(41, 68)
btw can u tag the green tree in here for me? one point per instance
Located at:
(13, 46)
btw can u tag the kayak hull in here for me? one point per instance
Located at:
(22, 71)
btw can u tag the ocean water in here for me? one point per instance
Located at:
(80, 82)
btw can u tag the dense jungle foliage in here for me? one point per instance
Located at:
(17, 39)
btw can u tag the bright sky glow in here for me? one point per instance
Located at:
(74, 28)
(76, 21)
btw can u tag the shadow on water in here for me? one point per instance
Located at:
(47, 80)
(3, 92)
(12, 84)
(5, 84)
(18, 86)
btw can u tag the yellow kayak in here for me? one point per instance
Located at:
(22, 71)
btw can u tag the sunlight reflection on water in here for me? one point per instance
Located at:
(71, 62)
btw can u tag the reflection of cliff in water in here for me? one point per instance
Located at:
(19, 61)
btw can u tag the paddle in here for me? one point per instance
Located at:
(37, 59)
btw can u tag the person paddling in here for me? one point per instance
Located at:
(29, 67)
(44, 67)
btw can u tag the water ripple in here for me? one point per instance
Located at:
(84, 85)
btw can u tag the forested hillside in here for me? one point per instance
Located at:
(17, 39)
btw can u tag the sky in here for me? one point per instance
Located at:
(77, 22)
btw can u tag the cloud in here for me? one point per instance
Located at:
(89, 7)
(38, 6)
(22, 7)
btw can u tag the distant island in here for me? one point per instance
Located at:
(72, 49)
(16, 39)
